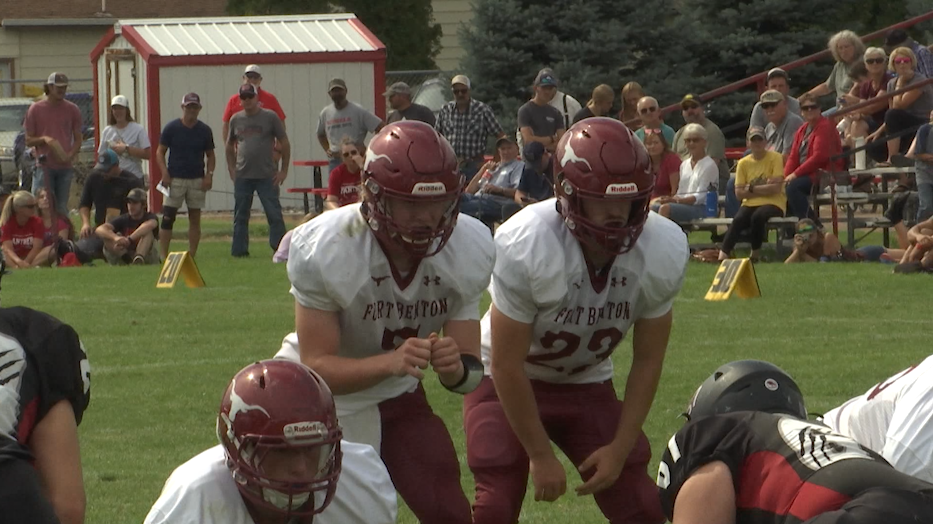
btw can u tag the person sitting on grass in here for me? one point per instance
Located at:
(131, 237)
(919, 255)
(21, 231)
(58, 230)
(811, 244)
(759, 182)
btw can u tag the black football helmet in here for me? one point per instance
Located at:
(747, 385)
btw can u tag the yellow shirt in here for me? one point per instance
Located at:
(768, 169)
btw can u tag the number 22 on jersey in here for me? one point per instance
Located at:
(602, 343)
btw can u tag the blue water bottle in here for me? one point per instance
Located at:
(712, 201)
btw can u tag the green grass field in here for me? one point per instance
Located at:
(162, 358)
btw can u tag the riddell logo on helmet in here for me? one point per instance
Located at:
(429, 188)
(629, 188)
(304, 430)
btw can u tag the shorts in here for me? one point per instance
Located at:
(877, 505)
(116, 259)
(186, 190)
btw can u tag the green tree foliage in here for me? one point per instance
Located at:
(406, 27)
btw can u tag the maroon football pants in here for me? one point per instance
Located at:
(419, 454)
(579, 418)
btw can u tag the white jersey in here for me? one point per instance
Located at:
(895, 419)
(541, 278)
(202, 491)
(336, 264)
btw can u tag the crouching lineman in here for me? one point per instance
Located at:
(895, 419)
(749, 456)
(280, 460)
(45, 387)
(568, 285)
(375, 283)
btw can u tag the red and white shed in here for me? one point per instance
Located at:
(155, 62)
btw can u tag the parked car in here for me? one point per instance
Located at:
(12, 115)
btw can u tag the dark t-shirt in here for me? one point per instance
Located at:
(126, 224)
(186, 148)
(102, 192)
(413, 112)
(536, 185)
(785, 470)
(583, 114)
(43, 363)
(543, 120)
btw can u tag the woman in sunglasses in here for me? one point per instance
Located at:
(21, 231)
(873, 82)
(343, 184)
(907, 111)
(816, 143)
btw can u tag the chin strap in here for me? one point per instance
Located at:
(472, 375)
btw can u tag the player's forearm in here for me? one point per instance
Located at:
(85, 213)
(349, 375)
(518, 402)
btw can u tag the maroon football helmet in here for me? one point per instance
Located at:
(410, 161)
(600, 159)
(275, 406)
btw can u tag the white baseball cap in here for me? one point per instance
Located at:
(252, 68)
(119, 100)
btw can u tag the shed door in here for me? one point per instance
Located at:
(121, 76)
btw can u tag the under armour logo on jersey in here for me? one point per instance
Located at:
(618, 281)
(571, 156)
(432, 280)
(378, 280)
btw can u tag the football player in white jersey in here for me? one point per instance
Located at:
(385, 289)
(895, 419)
(568, 285)
(280, 460)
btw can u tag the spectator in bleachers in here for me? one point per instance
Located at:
(777, 80)
(127, 138)
(343, 183)
(759, 182)
(693, 112)
(537, 181)
(399, 95)
(921, 150)
(898, 38)
(490, 195)
(815, 143)
(871, 84)
(600, 104)
(131, 237)
(847, 50)
(907, 111)
(343, 118)
(698, 172)
(632, 92)
(467, 124)
(650, 113)
(538, 121)
(58, 230)
(566, 104)
(665, 164)
(21, 231)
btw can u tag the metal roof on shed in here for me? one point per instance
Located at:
(252, 35)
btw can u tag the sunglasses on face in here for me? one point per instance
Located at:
(461, 91)
(647, 110)
(805, 229)
(691, 107)
(252, 76)
(769, 105)
(348, 154)
(874, 60)
(652, 131)
(247, 97)
(809, 107)
(902, 60)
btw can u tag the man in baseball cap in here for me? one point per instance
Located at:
(130, 237)
(777, 80)
(58, 80)
(252, 75)
(343, 118)
(538, 120)
(399, 97)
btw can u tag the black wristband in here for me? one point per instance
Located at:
(472, 375)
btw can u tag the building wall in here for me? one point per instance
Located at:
(301, 90)
(37, 52)
(451, 14)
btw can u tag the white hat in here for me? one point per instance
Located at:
(119, 100)
(460, 79)
(252, 68)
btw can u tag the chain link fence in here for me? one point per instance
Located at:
(17, 164)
